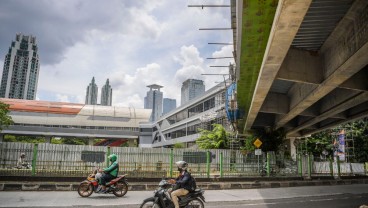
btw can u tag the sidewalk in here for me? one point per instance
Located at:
(206, 185)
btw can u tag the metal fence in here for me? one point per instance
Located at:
(80, 160)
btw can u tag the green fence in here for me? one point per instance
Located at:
(80, 160)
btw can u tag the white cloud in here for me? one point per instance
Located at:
(133, 43)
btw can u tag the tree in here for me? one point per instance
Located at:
(318, 143)
(74, 141)
(215, 139)
(24, 139)
(178, 145)
(271, 138)
(5, 119)
(321, 141)
(248, 144)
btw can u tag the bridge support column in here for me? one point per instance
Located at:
(48, 139)
(1, 137)
(292, 148)
(90, 141)
(131, 142)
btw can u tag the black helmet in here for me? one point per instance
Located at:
(182, 165)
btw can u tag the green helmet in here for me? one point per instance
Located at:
(113, 157)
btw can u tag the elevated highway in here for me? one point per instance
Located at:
(310, 73)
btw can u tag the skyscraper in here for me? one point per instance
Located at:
(106, 94)
(92, 92)
(190, 89)
(153, 101)
(169, 104)
(21, 69)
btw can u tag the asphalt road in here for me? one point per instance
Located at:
(314, 196)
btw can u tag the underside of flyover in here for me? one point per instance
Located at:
(313, 73)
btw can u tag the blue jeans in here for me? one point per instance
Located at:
(106, 178)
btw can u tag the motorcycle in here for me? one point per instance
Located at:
(117, 186)
(162, 198)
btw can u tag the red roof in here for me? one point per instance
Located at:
(42, 106)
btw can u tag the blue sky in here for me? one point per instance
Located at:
(133, 43)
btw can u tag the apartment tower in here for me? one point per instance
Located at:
(92, 92)
(21, 69)
(106, 94)
(191, 89)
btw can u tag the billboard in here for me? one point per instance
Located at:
(339, 145)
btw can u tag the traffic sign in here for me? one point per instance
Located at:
(257, 143)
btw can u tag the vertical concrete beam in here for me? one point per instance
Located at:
(48, 139)
(292, 148)
(131, 142)
(1, 137)
(91, 140)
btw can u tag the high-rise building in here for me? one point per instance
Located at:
(169, 104)
(92, 92)
(190, 89)
(153, 101)
(21, 69)
(106, 94)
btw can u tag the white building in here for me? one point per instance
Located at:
(181, 124)
(21, 69)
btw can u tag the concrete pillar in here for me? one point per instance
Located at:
(131, 142)
(292, 148)
(90, 141)
(48, 139)
(1, 137)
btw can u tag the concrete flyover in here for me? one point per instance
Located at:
(59, 119)
(314, 70)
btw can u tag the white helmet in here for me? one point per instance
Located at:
(182, 165)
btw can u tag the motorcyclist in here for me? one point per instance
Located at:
(110, 172)
(182, 182)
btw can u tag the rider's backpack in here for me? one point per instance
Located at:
(193, 183)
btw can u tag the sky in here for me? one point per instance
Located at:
(132, 43)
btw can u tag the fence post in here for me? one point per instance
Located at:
(331, 166)
(300, 166)
(171, 162)
(107, 156)
(208, 164)
(338, 167)
(221, 165)
(34, 159)
(309, 166)
(268, 164)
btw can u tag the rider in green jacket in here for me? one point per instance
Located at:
(110, 172)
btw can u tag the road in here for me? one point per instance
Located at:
(310, 196)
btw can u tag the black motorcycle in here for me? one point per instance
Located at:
(162, 198)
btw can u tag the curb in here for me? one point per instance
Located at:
(57, 186)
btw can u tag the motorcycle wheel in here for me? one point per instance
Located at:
(195, 203)
(149, 204)
(85, 189)
(121, 188)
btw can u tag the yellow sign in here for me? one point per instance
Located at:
(257, 143)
